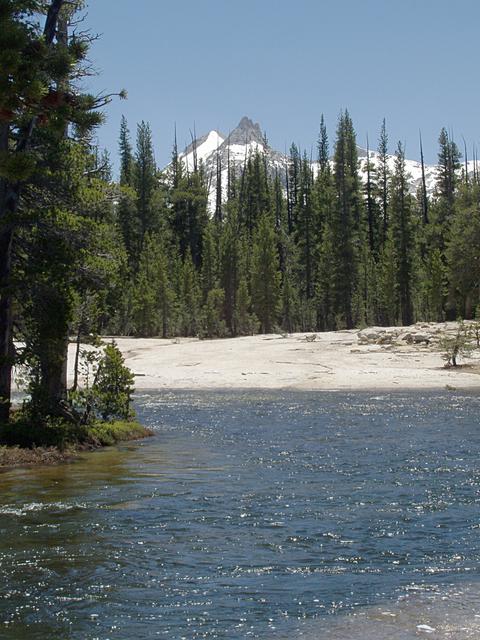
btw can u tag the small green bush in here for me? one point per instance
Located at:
(110, 396)
(456, 346)
(109, 433)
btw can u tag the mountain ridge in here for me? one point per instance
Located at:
(247, 138)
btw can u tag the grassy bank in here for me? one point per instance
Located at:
(24, 445)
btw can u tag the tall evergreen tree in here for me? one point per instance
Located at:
(383, 173)
(255, 200)
(145, 181)
(373, 230)
(402, 234)
(344, 222)
(39, 100)
(443, 209)
(127, 214)
(293, 181)
(323, 152)
(306, 229)
(153, 295)
(127, 168)
(209, 270)
(463, 252)
(265, 275)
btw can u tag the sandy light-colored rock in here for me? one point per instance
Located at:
(334, 360)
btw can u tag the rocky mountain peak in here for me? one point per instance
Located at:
(246, 131)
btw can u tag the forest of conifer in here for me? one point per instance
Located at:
(328, 251)
(311, 247)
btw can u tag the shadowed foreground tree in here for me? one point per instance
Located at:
(29, 73)
(45, 120)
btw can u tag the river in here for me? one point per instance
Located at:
(255, 515)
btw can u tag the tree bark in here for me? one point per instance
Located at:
(6, 240)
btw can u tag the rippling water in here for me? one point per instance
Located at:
(263, 515)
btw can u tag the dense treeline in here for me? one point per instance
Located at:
(310, 249)
(329, 251)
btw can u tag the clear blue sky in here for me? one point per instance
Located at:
(209, 62)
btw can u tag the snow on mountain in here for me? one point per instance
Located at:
(247, 138)
(234, 149)
(204, 147)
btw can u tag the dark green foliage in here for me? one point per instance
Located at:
(307, 228)
(265, 276)
(344, 223)
(24, 431)
(153, 295)
(213, 324)
(189, 299)
(402, 236)
(246, 323)
(188, 214)
(463, 252)
(108, 387)
(64, 436)
(113, 386)
(254, 198)
(144, 180)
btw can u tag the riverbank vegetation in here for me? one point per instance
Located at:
(58, 246)
(303, 248)
(27, 453)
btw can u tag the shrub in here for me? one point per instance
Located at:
(456, 346)
(110, 395)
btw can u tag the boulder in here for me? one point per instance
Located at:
(419, 338)
(370, 335)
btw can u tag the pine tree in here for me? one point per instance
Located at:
(325, 282)
(145, 182)
(443, 209)
(127, 214)
(447, 182)
(188, 212)
(293, 181)
(289, 299)
(388, 299)
(209, 270)
(306, 229)
(230, 247)
(218, 215)
(433, 286)
(212, 314)
(323, 156)
(383, 173)
(463, 253)
(265, 275)
(371, 206)
(423, 193)
(189, 299)
(255, 197)
(245, 321)
(47, 128)
(27, 81)
(402, 233)
(345, 222)
(127, 168)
